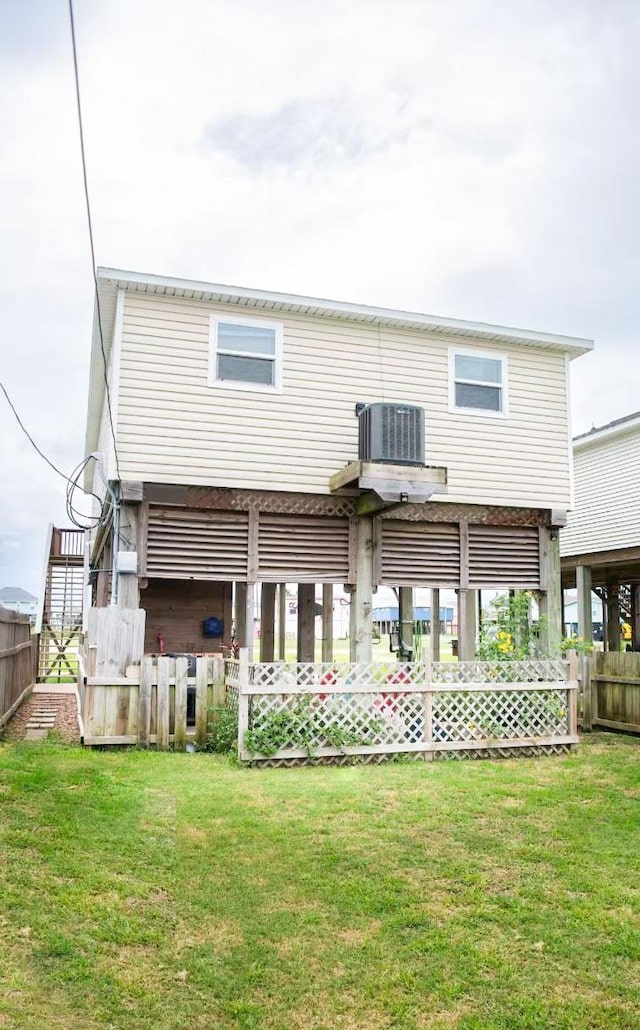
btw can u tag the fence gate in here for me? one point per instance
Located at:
(60, 620)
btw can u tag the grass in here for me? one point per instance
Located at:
(147, 890)
(380, 649)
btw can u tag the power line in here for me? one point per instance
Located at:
(71, 481)
(90, 225)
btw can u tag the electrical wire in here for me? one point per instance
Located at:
(90, 226)
(71, 481)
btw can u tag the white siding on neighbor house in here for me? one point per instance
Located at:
(607, 496)
(174, 427)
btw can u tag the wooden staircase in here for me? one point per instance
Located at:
(60, 618)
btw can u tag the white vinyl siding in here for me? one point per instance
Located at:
(174, 428)
(606, 514)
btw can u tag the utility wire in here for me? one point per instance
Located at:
(90, 225)
(71, 481)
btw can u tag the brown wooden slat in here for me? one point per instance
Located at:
(303, 549)
(419, 554)
(506, 556)
(207, 545)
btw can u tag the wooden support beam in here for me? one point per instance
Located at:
(551, 599)
(250, 617)
(327, 622)
(405, 617)
(306, 622)
(127, 588)
(352, 623)
(282, 621)
(585, 609)
(635, 617)
(434, 636)
(267, 621)
(240, 613)
(364, 591)
(613, 616)
(467, 624)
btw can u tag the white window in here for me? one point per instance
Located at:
(246, 354)
(478, 382)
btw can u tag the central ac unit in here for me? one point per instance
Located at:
(392, 433)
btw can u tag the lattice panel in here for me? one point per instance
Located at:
(499, 715)
(232, 672)
(292, 676)
(335, 720)
(541, 671)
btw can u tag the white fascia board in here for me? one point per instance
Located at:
(606, 433)
(358, 312)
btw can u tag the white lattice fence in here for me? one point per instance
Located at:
(290, 710)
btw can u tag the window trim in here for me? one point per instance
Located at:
(238, 384)
(474, 352)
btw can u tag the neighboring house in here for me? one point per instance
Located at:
(18, 600)
(243, 457)
(600, 545)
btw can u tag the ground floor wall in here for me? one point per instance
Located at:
(186, 616)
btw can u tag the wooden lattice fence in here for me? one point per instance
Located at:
(333, 710)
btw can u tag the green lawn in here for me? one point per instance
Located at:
(146, 890)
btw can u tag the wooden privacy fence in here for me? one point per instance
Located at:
(610, 691)
(162, 702)
(17, 661)
(464, 709)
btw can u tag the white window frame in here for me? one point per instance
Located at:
(238, 384)
(474, 352)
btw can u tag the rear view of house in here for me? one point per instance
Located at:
(260, 438)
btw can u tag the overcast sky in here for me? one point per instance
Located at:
(478, 159)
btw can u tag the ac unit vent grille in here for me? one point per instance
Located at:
(392, 433)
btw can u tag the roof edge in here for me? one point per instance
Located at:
(571, 344)
(618, 427)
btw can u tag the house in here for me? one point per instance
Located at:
(19, 600)
(600, 545)
(253, 437)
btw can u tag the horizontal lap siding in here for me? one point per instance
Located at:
(504, 556)
(299, 550)
(419, 554)
(172, 426)
(607, 496)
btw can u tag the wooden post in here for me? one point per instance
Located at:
(467, 624)
(550, 604)
(364, 590)
(243, 697)
(327, 622)
(267, 621)
(202, 698)
(352, 623)
(586, 692)
(405, 617)
(180, 705)
(249, 618)
(585, 609)
(240, 613)
(613, 616)
(162, 707)
(282, 621)
(306, 622)
(434, 636)
(128, 591)
(573, 694)
(144, 701)
(635, 617)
